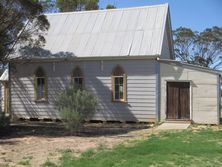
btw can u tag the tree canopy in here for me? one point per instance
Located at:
(19, 20)
(72, 5)
(109, 6)
(76, 5)
(200, 48)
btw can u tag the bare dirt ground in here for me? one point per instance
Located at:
(38, 143)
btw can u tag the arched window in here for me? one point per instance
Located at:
(40, 84)
(77, 77)
(118, 84)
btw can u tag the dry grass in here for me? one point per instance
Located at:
(47, 143)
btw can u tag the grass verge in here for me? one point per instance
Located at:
(185, 148)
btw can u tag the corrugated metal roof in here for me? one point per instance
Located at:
(118, 32)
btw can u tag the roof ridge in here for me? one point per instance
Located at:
(107, 10)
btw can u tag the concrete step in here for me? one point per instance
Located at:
(178, 121)
(173, 126)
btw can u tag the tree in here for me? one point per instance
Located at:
(91, 5)
(200, 48)
(77, 5)
(75, 105)
(109, 6)
(19, 20)
(49, 6)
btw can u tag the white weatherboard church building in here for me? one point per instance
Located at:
(122, 56)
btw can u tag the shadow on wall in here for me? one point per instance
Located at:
(23, 102)
(107, 110)
(24, 105)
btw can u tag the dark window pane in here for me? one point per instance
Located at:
(80, 81)
(38, 81)
(116, 88)
(116, 80)
(117, 95)
(40, 88)
(121, 80)
(43, 81)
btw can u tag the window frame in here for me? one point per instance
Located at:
(45, 93)
(124, 84)
(73, 80)
(80, 75)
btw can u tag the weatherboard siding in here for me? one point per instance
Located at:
(2, 95)
(141, 89)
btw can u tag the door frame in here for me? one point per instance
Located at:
(190, 97)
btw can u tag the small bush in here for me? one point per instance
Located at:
(75, 105)
(4, 121)
(49, 164)
(24, 162)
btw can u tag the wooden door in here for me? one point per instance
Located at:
(178, 100)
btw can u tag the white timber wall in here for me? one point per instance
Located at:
(2, 96)
(204, 91)
(141, 89)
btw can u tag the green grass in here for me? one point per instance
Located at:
(49, 164)
(186, 148)
(25, 161)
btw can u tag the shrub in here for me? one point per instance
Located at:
(49, 164)
(75, 105)
(4, 121)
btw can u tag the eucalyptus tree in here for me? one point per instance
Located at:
(200, 48)
(76, 5)
(19, 20)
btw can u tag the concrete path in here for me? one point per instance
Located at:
(173, 126)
